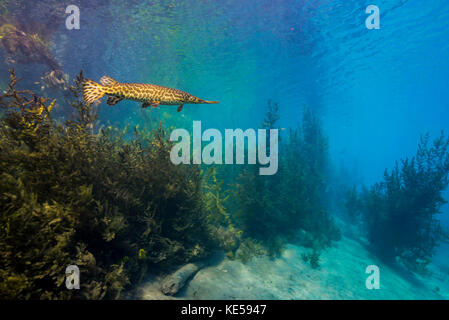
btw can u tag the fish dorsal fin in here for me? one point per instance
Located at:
(107, 81)
(112, 100)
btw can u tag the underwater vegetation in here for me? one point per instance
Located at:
(111, 202)
(291, 205)
(26, 47)
(27, 32)
(399, 214)
(71, 196)
(352, 204)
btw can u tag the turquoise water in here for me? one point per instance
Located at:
(377, 90)
(374, 91)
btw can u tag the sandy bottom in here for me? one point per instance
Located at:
(341, 275)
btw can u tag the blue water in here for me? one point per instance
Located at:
(376, 91)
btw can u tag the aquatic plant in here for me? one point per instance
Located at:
(400, 212)
(215, 198)
(249, 248)
(271, 116)
(218, 213)
(114, 207)
(305, 188)
(25, 47)
(272, 209)
(312, 257)
(257, 197)
(352, 204)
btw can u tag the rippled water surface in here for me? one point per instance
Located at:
(377, 90)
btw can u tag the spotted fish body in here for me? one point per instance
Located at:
(148, 94)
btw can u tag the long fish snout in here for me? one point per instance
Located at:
(196, 100)
(207, 102)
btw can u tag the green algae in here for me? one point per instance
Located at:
(273, 209)
(114, 207)
(399, 214)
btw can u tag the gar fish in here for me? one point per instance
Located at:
(149, 94)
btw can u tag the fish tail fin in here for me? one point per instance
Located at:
(92, 91)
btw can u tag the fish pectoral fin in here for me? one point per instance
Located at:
(113, 100)
(155, 104)
(180, 108)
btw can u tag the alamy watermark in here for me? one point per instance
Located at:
(73, 20)
(373, 20)
(373, 280)
(72, 280)
(212, 153)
